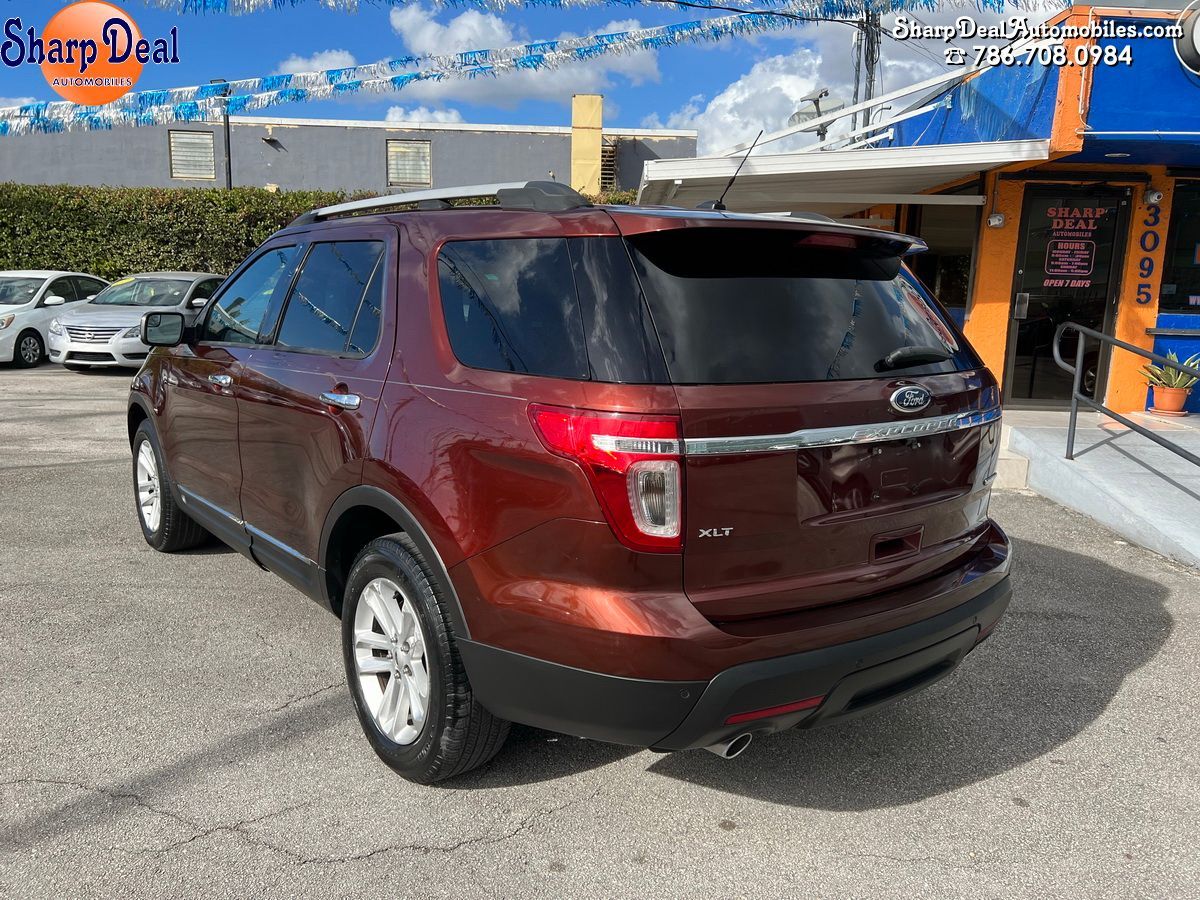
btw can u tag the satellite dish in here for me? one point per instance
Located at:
(821, 107)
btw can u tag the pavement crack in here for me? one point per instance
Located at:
(308, 696)
(237, 828)
(109, 793)
(198, 829)
(524, 825)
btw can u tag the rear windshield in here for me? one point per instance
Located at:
(692, 306)
(740, 306)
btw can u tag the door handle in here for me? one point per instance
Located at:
(1021, 306)
(344, 401)
(221, 380)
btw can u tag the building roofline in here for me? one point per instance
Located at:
(457, 126)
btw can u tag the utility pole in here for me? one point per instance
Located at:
(225, 121)
(868, 37)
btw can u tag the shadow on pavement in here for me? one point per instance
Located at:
(531, 755)
(1076, 628)
(153, 789)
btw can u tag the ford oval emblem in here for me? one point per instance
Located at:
(910, 399)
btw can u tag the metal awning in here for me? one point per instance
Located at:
(833, 182)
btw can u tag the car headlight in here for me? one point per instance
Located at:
(135, 331)
(5, 321)
(56, 326)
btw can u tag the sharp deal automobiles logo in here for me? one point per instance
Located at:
(90, 52)
(1187, 45)
(910, 398)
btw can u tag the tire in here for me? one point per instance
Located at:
(455, 734)
(170, 529)
(29, 350)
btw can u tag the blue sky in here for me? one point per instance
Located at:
(727, 90)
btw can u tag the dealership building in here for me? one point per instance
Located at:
(1047, 193)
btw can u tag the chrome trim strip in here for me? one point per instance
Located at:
(192, 495)
(254, 532)
(290, 551)
(808, 438)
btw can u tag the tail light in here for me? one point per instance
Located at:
(633, 465)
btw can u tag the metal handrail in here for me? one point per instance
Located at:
(1077, 397)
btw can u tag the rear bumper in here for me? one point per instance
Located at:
(853, 678)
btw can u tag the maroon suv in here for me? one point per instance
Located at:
(658, 477)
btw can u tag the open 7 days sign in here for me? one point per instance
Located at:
(90, 53)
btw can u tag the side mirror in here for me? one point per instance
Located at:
(53, 300)
(164, 329)
(89, 298)
(197, 302)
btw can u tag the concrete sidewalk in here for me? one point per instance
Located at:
(1132, 485)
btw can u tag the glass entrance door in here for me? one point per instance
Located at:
(1068, 269)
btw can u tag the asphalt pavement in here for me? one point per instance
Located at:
(178, 726)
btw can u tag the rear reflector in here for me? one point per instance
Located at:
(772, 711)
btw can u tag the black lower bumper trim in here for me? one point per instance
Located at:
(853, 678)
(560, 698)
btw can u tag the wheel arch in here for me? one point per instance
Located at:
(138, 412)
(359, 516)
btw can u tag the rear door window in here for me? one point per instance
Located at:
(324, 306)
(743, 306)
(510, 306)
(87, 287)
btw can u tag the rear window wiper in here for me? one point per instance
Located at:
(902, 357)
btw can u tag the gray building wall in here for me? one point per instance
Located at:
(310, 154)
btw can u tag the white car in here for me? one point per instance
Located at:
(29, 301)
(106, 331)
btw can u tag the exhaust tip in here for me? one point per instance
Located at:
(733, 747)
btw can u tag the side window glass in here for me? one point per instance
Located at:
(62, 287)
(237, 317)
(365, 333)
(510, 305)
(88, 287)
(205, 289)
(322, 309)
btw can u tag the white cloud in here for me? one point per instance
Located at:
(423, 114)
(322, 59)
(762, 98)
(16, 101)
(767, 95)
(472, 30)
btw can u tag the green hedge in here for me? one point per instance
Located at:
(113, 232)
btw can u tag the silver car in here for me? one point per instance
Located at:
(105, 330)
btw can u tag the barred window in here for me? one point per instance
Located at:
(192, 154)
(408, 164)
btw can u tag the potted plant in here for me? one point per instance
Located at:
(1171, 386)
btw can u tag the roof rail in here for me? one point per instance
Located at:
(547, 196)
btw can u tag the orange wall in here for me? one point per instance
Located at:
(1126, 385)
(991, 293)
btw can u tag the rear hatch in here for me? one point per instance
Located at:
(840, 433)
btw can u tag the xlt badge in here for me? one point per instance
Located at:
(715, 532)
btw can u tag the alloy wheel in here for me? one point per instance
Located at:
(30, 350)
(389, 659)
(148, 491)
